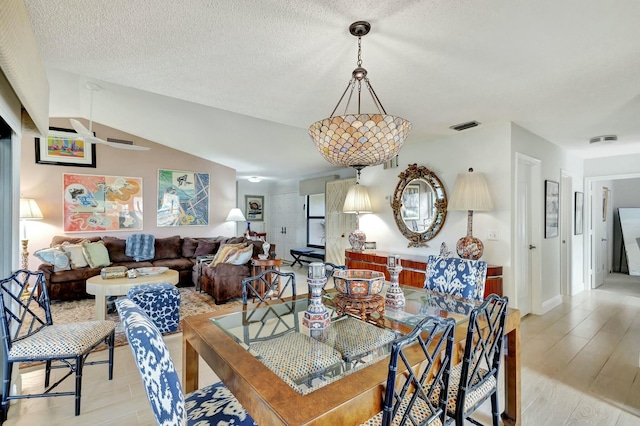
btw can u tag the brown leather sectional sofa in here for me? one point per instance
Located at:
(173, 252)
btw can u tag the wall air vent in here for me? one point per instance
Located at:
(464, 126)
(603, 139)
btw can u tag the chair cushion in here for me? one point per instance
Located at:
(61, 340)
(457, 277)
(420, 412)
(295, 356)
(472, 398)
(354, 338)
(215, 405)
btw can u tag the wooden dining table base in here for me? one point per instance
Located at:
(271, 401)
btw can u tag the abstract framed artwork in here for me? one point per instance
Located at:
(61, 147)
(551, 208)
(578, 213)
(97, 203)
(183, 198)
(254, 205)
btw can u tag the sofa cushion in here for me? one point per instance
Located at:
(168, 248)
(76, 254)
(235, 240)
(73, 275)
(179, 264)
(133, 264)
(116, 248)
(240, 256)
(96, 254)
(206, 248)
(189, 246)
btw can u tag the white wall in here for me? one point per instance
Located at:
(553, 160)
(486, 149)
(44, 183)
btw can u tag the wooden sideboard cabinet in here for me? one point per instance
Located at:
(414, 268)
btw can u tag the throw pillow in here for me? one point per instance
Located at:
(56, 257)
(206, 247)
(96, 254)
(75, 254)
(240, 256)
(223, 252)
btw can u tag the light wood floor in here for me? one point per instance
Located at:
(580, 367)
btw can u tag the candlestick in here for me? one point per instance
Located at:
(316, 316)
(394, 297)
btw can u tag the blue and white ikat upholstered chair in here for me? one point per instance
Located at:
(161, 302)
(211, 405)
(456, 277)
(28, 335)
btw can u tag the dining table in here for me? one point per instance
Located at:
(284, 373)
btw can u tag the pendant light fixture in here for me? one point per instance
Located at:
(359, 140)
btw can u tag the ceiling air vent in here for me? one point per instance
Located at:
(464, 126)
(604, 139)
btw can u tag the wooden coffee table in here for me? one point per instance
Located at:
(102, 288)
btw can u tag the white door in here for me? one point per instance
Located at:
(338, 224)
(527, 233)
(566, 232)
(288, 229)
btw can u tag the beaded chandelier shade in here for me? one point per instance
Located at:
(359, 140)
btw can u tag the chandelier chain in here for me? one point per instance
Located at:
(359, 51)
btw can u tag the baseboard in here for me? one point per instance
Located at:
(550, 304)
(578, 290)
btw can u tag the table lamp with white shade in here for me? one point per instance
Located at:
(235, 215)
(357, 201)
(29, 210)
(470, 193)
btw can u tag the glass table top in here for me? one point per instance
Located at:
(307, 359)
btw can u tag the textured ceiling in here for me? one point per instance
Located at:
(566, 70)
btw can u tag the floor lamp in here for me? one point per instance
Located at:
(29, 210)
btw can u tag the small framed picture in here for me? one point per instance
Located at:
(62, 147)
(578, 213)
(254, 208)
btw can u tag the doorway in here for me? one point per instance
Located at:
(527, 199)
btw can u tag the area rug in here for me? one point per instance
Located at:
(192, 302)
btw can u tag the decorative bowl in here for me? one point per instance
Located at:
(358, 282)
(156, 270)
(262, 256)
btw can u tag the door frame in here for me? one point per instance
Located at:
(566, 232)
(535, 217)
(588, 212)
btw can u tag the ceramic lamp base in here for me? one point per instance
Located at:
(357, 239)
(469, 247)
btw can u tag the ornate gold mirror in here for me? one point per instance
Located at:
(419, 205)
